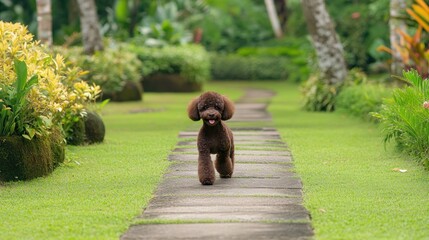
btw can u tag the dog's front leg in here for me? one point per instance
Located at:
(224, 164)
(206, 171)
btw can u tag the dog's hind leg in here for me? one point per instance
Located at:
(224, 164)
(206, 172)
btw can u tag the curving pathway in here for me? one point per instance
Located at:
(263, 199)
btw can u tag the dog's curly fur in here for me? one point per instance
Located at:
(215, 137)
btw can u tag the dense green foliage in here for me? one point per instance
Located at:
(361, 100)
(404, 117)
(39, 92)
(110, 69)
(295, 54)
(226, 25)
(230, 24)
(190, 61)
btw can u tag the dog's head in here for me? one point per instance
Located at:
(211, 107)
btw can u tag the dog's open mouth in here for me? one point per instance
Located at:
(211, 122)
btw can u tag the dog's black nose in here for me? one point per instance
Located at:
(211, 115)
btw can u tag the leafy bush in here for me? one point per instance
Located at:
(362, 100)
(190, 61)
(405, 117)
(297, 52)
(32, 107)
(236, 67)
(321, 96)
(110, 69)
(229, 24)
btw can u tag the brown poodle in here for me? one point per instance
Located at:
(214, 136)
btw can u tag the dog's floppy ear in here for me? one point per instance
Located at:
(193, 109)
(228, 109)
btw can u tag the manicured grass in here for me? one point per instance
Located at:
(350, 188)
(97, 194)
(349, 184)
(102, 188)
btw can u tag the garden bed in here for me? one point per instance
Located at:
(169, 82)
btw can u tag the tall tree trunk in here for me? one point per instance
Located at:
(44, 22)
(329, 49)
(272, 14)
(396, 23)
(134, 17)
(92, 40)
(282, 13)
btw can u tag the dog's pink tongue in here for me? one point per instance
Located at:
(211, 121)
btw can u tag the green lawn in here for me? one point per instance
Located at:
(349, 184)
(350, 188)
(103, 187)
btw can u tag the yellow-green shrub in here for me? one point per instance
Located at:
(110, 69)
(59, 96)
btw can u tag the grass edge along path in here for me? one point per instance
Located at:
(350, 187)
(349, 184)
(103, 187)
(97, 194)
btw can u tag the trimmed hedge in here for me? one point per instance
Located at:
(236, 67)
(21, 159)
(88, 130)
(190, 61)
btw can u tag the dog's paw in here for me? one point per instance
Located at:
(207, 181)
(225, 175)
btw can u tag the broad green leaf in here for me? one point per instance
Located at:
(21, 72)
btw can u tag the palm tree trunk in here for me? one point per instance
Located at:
(396, 23)
(44, 22)
(274, 19)
(328, 47)
(92, 40)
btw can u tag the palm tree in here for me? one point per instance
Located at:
(91, 35)
(274, 19)
(44, 22)
(328, 47)
(397, 24)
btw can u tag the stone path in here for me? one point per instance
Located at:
(263, 199)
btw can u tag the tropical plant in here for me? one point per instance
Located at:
(13, 104)
(412, 49)
(405, 117)
(420, 13)
(53, 101)
(171, 22)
